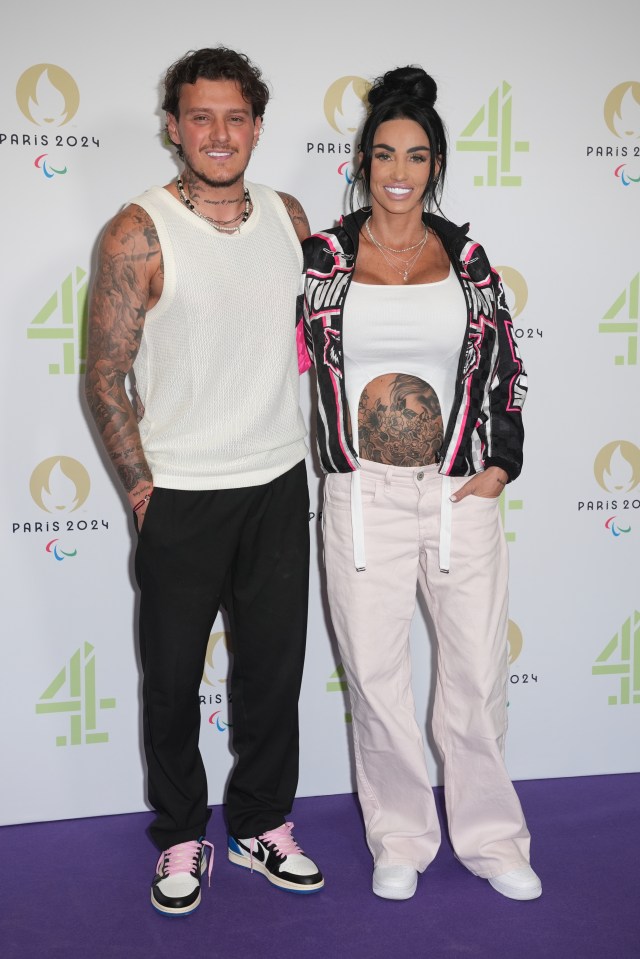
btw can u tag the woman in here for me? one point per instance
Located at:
(420, 389)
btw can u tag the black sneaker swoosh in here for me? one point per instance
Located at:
(258, 850)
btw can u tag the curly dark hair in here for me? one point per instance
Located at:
(215, 63)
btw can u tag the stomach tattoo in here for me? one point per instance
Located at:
(399, 421)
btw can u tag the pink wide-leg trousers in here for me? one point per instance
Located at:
(371, 612)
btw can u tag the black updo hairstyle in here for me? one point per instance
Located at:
(405, 93)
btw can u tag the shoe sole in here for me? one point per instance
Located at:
(167, 911)
(239, 860)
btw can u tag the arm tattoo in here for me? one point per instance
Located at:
(399, 421)
(130, 258)
(297, 215)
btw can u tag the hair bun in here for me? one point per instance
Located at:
(403, 83)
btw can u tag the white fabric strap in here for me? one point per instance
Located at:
(444, 550)
(357, 522)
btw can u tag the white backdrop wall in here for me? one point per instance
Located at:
(543, 110)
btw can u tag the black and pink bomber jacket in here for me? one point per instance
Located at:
(485, 426)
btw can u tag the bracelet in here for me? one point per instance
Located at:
(145, 499)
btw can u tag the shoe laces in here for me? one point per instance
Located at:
(282, 840)
(184, 857)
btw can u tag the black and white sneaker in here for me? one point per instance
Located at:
(175, 890)
(277, 856)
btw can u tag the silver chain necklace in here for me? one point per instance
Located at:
(220, 226)
(390, 249)
(406, 265)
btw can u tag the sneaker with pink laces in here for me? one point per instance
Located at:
(175, 890)
(277, 856)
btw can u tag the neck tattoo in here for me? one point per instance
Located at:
(222, 226)
(389, 254)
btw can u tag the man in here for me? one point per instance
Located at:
(195, 293)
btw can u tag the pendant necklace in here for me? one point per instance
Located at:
(222, 226)
(388, 253)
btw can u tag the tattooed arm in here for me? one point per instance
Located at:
(297, 215)
(127, 283)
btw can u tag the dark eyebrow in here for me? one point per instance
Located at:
(385, 146)
(245, 110)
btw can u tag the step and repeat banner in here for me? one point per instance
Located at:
(544, 131)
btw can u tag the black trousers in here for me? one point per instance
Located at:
(248, 549)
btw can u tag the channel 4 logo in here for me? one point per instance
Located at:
(506, 505)
(622, 319)
(337, 683)
(490, 131)
(73, 692)
(621, 658)
(63, 318)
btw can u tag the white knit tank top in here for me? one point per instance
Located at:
(217, 369)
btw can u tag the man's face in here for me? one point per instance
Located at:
(215, 129)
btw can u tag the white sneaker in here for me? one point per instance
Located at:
(175, 890)
(394, 882)
(279, 858)
(519, 883)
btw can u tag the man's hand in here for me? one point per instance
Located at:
(139, 501)
(488, 484)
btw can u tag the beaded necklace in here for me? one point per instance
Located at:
(222, 226)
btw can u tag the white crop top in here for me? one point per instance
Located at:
(416, 330)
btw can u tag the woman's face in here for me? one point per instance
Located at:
(400, 166)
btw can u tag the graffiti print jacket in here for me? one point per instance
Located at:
(485, 425)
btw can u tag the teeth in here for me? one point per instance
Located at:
(397, 190)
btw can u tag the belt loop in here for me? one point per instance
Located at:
(388, 476)
(357, 522)
(444, 552)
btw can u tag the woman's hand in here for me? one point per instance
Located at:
(488, 484)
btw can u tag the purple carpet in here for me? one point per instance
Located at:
(80, 889)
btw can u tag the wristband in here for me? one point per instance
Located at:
(145, 499)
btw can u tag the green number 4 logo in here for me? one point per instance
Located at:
(490, 132)
(503, 505)
(626, 664)
(73, 691)
(614, 322)
(338, 684)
